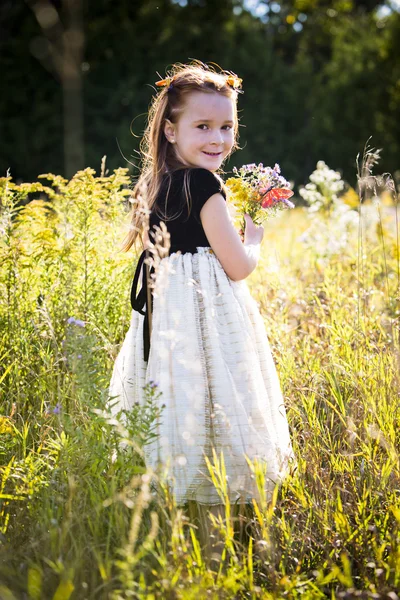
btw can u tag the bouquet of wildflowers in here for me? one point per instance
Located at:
(259, 191)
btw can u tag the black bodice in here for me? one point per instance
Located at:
(183, 224)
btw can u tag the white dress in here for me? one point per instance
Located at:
(211, 359)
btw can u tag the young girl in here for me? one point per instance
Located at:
(198, 334)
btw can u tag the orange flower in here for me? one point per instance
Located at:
(234, 81)
(163, 82)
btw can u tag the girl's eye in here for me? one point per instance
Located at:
(204, 126)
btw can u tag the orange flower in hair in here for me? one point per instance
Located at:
(234, 81)
(164, 82)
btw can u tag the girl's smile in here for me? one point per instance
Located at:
(203, 134)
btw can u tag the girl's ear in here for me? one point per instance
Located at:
(169, 131)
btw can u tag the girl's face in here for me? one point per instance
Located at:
(203, 135)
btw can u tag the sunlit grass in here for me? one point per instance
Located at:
(78, 517)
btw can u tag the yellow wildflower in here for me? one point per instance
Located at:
(6, 425)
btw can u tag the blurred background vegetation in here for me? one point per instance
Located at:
(78, 75)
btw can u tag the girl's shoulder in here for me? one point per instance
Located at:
(198, 181)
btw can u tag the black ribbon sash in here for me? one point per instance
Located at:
(139, 299)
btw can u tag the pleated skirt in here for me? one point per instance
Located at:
(211, 360)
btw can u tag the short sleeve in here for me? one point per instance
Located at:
(203, 185)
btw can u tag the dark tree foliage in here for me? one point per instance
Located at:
(30, 103)
(319, 78)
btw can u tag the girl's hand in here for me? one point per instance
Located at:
(253, 233)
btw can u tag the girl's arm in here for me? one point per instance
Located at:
(237, 259)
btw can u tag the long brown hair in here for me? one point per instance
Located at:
(158, 155)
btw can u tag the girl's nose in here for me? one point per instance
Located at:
(217, 137)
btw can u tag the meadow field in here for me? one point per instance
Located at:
(78, 518)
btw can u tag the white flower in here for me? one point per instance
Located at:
(321, 192)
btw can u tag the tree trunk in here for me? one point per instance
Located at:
(73, 46)
(64, 60)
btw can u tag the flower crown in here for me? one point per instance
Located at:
(232, 80)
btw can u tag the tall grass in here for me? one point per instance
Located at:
(79, 517)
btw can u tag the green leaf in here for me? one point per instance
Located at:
(35, 583)
(64, 590)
